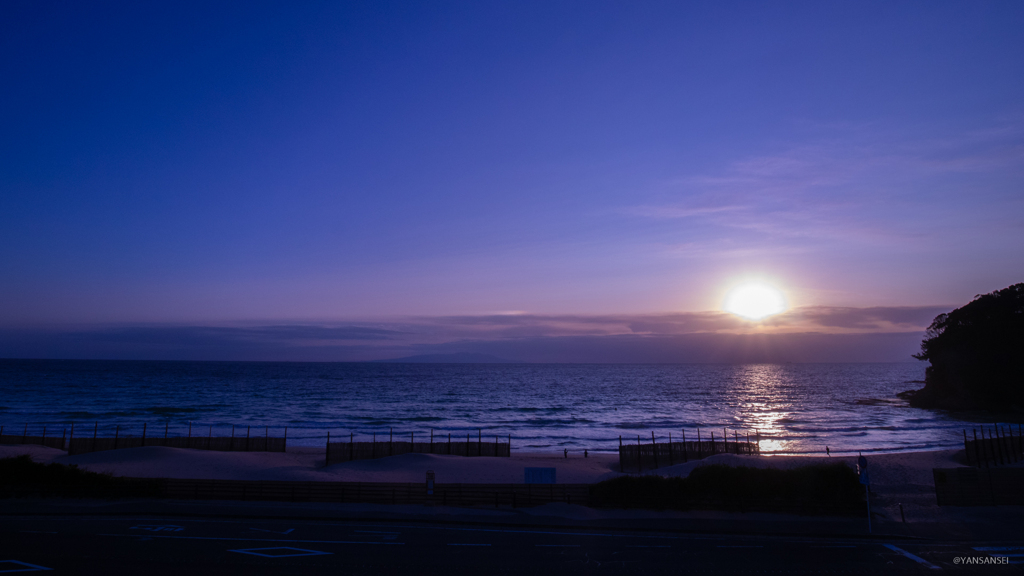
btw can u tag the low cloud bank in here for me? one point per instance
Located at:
(811, 334)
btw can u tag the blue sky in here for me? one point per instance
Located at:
(345, 164)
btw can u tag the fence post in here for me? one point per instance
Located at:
(698, 444)
(117, 432)
(70, 438)
(725, 440)
(266, 439)
(685, 458)
(713, 444)
(1009, 446)
(188, 441)
(967, 453)
(64, 437)
(671, 460)
(209, 437)
(620, 454)
(351, 446)
(479, 441)
(285, 439)
(976, 446)
(449, 443)
(995, 435)
(44, 434)
(24, 433)
(95, 429)
(373, 446)
(431, 440)
(654, 449)
(468, 453)
(509, 445)
(247, 428)
(166, 426)
(639, 457)
(143, 434)
(391, 442)
(412, 440)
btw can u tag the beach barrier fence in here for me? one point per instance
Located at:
(51, 440)
(639, 456)
(352, 450)
(513, 495)
(979, 486)
(234, 443)
(1001, 447)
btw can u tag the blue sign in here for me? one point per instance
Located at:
(540, 475)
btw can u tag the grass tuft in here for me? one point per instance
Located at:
(21, 477)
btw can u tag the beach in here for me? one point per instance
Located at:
(905, 472)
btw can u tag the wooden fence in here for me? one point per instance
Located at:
(351, 450)
(639, 457)
(57, 441)
(979, 487)
(514, 495)
(91, 442)
(999, 448)
(218, 443)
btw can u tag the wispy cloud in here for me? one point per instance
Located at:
(498, 334)
(864, 186)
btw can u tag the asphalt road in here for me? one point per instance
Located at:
(194, 547)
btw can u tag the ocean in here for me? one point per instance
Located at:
(796, 408)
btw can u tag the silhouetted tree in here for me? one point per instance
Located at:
(976, 354)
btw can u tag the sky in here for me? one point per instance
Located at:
(540, 181)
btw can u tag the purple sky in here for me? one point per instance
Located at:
(340, 181)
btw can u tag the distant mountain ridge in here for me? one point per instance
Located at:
(456, 358)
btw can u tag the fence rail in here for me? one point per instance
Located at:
(49, 441)
(352, 450)
(979, 487)
(640, 457)
(999, 448)
(217, 443)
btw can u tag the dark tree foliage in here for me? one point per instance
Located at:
(976, 354)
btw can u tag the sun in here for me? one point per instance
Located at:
(755, 301)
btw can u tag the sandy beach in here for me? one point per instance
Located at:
(908, 470)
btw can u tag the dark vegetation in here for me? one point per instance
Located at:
(21, 477)
(820, 489)
(976, 354)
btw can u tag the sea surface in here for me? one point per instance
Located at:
(796, 408)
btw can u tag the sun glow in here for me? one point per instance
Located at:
(755, 301)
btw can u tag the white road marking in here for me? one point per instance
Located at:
(263, 539)
(294, 552)
(913, 557)
(22, 567)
